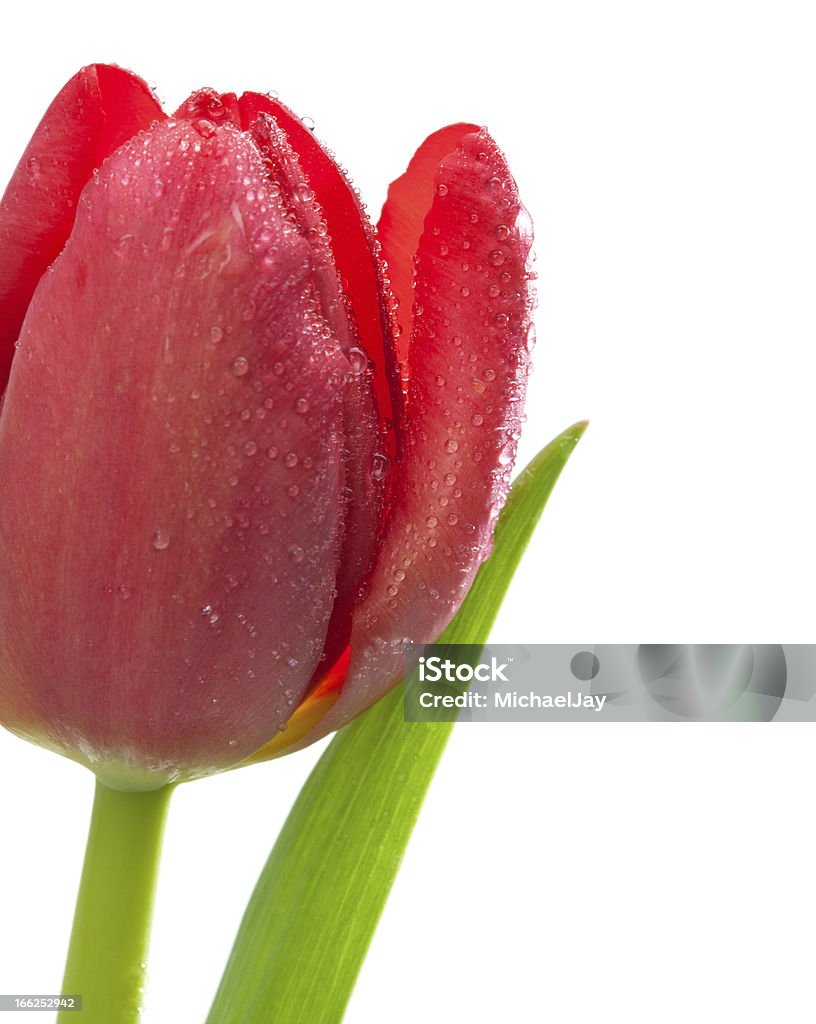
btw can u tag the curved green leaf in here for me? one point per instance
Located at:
(311, 918)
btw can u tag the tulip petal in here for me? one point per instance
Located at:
(100, 108)
(401, 221)
(172, 469)
(469, 362)
(365, 462)
(355, 249)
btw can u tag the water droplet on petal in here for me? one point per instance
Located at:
(124, 244)
(161, 539)
(358, 360)
(239, 366)
(380, 466)
(211, 614)
(205, 128)
(296, 554)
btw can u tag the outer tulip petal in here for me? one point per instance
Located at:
(356, 253)
(177, 392)
(99, 109)
(365, 460)
(469, 364)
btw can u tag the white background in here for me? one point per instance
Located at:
(558, 873)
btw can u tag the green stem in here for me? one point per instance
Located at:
(108, 949)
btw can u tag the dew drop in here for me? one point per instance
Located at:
(250, 448)
(380, 466)
(477, 419)
(301, 406)
(211, 614)
(293, 490)
(216, 334)
(205, 128)
(451, 445)
(489, 374)
(272, 452)
(431, 522)
(496, 257)
(391, 590)
(124, 244)
(239, 367)
(442, 190)
(358, 360)
(502, 232)
(161, 539)
(296, 554)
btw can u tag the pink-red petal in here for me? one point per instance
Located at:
(402, 220)
(366, 463)
(355, 252)
(171, 468)
(469, 362)
(95, 112)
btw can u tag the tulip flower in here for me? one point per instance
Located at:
(248, 445)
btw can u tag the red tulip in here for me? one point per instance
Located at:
(236, 473)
